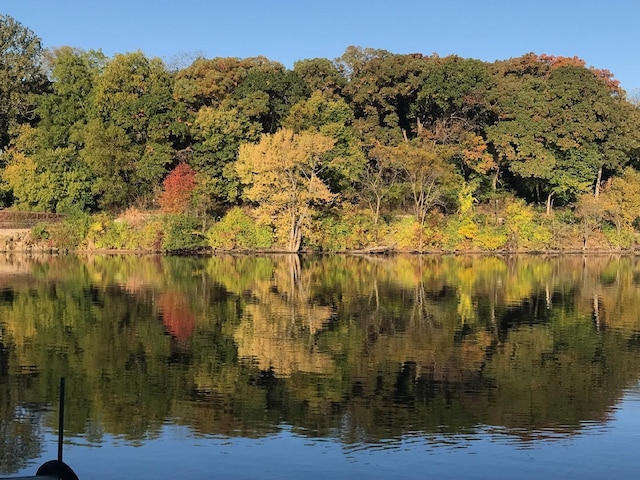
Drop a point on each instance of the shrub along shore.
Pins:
(517, 228)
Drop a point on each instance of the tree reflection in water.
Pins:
(357, 349)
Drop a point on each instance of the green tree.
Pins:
(453, 90)
(209, 82)
(266, 96)
(52, 180)
(332, 118)
(20, 75)
(45, 170)
(321, 74)
(130, 143)
(558, 126)
(381, 90)
(67, 106)
(218, 133)
(452, 108)
(110, 155)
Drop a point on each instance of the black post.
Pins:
(61, 420)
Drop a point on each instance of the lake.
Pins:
(321, 366)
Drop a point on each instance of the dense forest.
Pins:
(373, 149)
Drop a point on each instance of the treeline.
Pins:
(372, 149)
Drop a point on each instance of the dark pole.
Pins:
(61, 420)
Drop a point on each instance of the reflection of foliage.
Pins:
(357, 347)
(19, 428)
(176, 315)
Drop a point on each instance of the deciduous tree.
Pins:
(557, 129)
(68, 105)
(426, 172)
(453, 90)
(377, 182)
(621, 200)
(20, 74)
(320, 74)
(209, 82)
(283, 176)
(332, 118)
(130, 143)
(381, 90)
(590, 210)
(267, 95)
(218, 133)
(178, 189)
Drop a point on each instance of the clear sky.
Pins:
(605, 33)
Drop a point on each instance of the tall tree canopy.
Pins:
(20, 74)
(44, 168)
(382, 89)
(557, 127)
(129, 143)
(267, 95)
(67, 106)
(393, 134)
(208, 82)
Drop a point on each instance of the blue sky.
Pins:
(604, 33)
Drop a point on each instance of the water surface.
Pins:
(283, 366)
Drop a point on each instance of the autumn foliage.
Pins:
(247, 154)
(603, 74)
(178, 189)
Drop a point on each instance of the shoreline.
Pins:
(20, 241)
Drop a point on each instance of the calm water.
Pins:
(322, 367)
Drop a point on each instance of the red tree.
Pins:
(178, 188)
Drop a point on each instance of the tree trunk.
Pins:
(549, 203)
(295, 236)
(596, 311)
(596, 192)
(377, 213)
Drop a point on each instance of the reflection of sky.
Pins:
(598, 452)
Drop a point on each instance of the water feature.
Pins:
(327, 367)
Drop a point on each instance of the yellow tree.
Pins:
(590, 211)
(426, 170)
(282, 173)
(621, 200)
